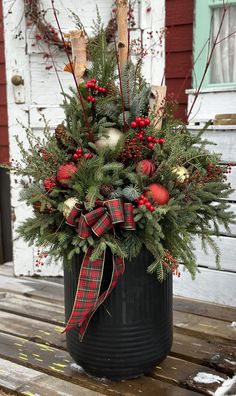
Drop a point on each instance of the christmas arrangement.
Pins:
(119, 174)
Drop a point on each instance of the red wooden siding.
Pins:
(4, 148)
(179, 47)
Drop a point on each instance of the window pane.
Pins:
(223, 63)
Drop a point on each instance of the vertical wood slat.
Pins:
(179, 39)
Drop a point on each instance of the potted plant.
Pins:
(120, 198)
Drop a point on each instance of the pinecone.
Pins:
(132, 151)
(111, 89)
(37, 208)
(63, 137)
(106, 190)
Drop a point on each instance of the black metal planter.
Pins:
(132, 331)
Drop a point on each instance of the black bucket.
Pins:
(132, 331)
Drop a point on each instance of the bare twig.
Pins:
(208, 61)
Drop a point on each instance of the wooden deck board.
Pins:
(31, 343)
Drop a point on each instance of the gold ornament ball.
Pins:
(68, 206)
(181, 174)
(110, 140)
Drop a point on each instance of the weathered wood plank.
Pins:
(34, 288)
(54, 313)
(210, 285)
(223, 137)
(31, 382)
(32, 329)
(195, 307)
(7, 269)
(197, 350)
(26, 306)
(58, 363)
(178, 371)
(227, 246)
(205, 327)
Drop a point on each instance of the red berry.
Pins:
(138, 119)
(89, 98)
(93, 100)
(152, 209)
(142, 123)
(133, 124)
(104, 90)
(75, 156)
(150, 145)
(140, 137)
(96, 87)
(87, 155)
(147, 121)
(150, 139)
(93, 81)
(142, 197)
(161, 140)
(100, 89)
(148, 205)
(141, 202)
(79, 150)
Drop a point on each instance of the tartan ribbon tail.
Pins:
(88, 297)
(118, 270)
(88, 289)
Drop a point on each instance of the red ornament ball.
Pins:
(146, 168)
(65, 172)
(49, 183)
(158, 193)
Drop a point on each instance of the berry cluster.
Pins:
(94, 89)
(79, 154)
(152, 141)
(39, 259)
(171, 262)
(132, 151)
(140, 124)
(49, 183)
(142, 200)
(214, 172)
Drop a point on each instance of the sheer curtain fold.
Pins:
(223, 64)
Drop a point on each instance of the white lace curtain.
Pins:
(223, 64)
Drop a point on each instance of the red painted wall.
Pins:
(179, 51)
(4, 147)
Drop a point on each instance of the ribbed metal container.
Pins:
(132, 331)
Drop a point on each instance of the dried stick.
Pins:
(73, 74)
(158, 93)
(79, 53)
(123, 35)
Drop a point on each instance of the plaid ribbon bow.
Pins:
(98, 221)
